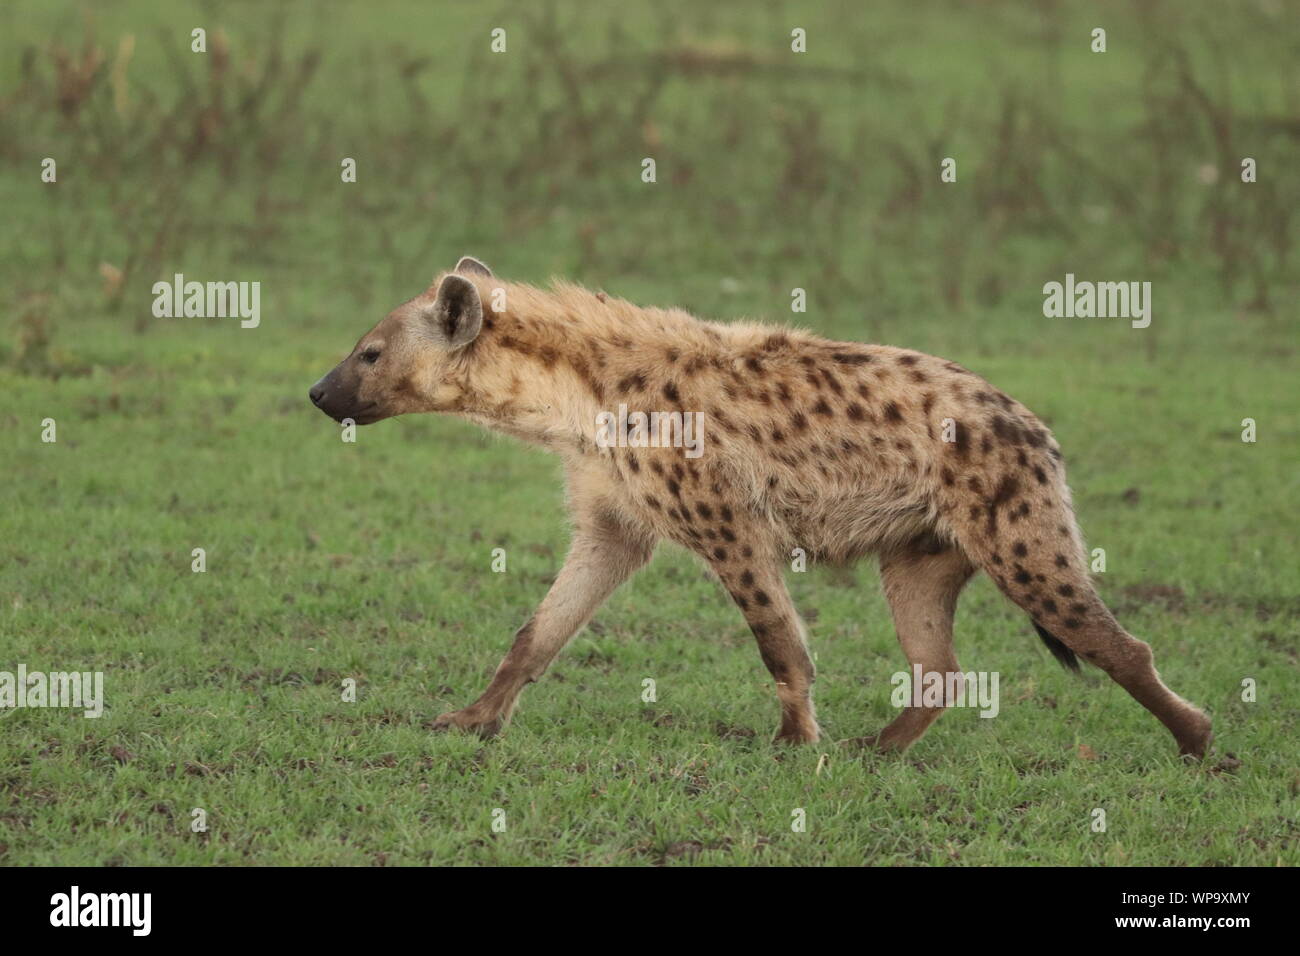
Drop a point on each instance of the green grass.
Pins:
(371, 561)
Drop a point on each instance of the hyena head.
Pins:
(402, 364)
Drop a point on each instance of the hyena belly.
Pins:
(843, 524)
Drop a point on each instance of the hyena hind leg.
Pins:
(1054, 588)
(922, 582)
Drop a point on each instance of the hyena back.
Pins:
(839, 449)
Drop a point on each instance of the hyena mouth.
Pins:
(362, 415)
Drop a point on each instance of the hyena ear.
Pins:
(468, 265)
(457, 313)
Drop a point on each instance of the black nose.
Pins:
(316, 394)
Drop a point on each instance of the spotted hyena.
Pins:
(837, 448)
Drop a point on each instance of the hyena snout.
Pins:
(337, 397)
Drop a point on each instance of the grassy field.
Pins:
(371, 561)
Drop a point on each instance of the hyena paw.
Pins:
(485, 725)
(1194, 740)
(796, 735)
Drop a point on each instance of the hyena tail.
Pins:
(1060, 650)
(1022, 532)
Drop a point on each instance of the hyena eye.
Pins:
(370, 356)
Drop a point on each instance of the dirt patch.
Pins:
(1161, 595)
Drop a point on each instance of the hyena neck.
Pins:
(533, 373)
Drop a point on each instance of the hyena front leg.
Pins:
(761, 594)
(603, 555)
(922, 582)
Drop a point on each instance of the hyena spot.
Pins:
(1049, 605)
(855, 412)
(705, 511)
(798, 422)
(1023, 577)
(997, 558)
(894, 416)
(727, 534)
(850, 358)
(1072, 622)
(1007, 431)
(720, 554)
(762, 598)
(1019, 549)
(671, 393)
(946, 475)
(747, 579)
(907, 360)
(1066, 590)
(821, 408)
(1006, 490)
(1078, 609)
(1040, 474)
(1062, 561)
